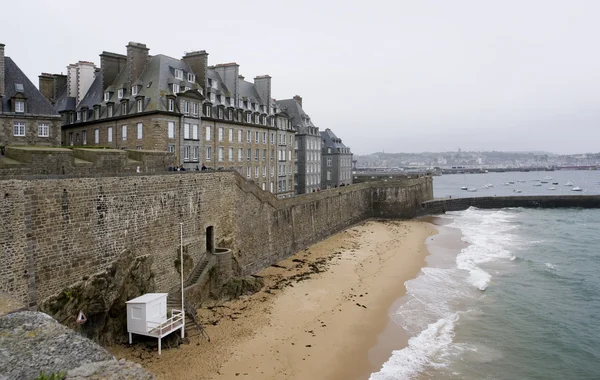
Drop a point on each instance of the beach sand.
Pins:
(318, 316)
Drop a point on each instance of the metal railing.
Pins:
(177, 317)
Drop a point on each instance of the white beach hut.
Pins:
(147, 315)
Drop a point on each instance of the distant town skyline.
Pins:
(395, 76)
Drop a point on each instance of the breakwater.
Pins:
(440, 206)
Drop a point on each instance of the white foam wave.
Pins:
(551, 266)
(430, 348)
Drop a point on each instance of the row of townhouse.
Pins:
(206, 115)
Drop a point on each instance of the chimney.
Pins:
(60, 82)
(262, 84)
(298, 100)
(229, 73)
(1, 70)
(137, 58)
(198, 62)
(80, 77)
(46, 86)
(111, 65)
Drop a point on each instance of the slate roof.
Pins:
(330, 140)
(37, 104)
(300, 119)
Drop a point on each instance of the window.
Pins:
(178, 74)
(186, 131)
(240, 154)
(256, 137)
(264, 170)
(196, 153)
(208, 153)
(256, 172)
(78, 116)
(230, 134)
(175, 88)
(271, 187)
(171, 149)
(120, 93)
(221, 152)
(140, 105)
(240, 133)
(19, 128)
(249, 118)
(96, 136)
(140, 132)
(84, 113)
(110, 111)
(186, 107)
(328, 161)
(195, 132)
(191, 77)
(171, 130)
(208, 111)
(230, 115)
(264, 137)
(171, 105)
(256, 155)
(329, 175)
(96, 113)
(249, 136)
(328, 150)
(272, 138)
(109, 132)
(264, 154)
(186, 153)
(231, 158)
(106, 96)
(124, 132)
(220, 134)
(71, 138)
(289, 155)
(195, 108)
(84, 137)
(248, 154)
(272, 170)
(207, 133)
(43, 130)
(134, 90)
(220, 113)
(124, 108)
(264, 186)
(248, 172)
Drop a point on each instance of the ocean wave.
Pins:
(431, 348)
(550, 266)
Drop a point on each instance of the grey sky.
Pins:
(399, 76)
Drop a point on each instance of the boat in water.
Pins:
(547, 178)
(472, 189)
(544, 181)
(463, 188)
(511, 182)
(552, 188)
(516, 191)
(569, 183)
(577, 188)
(555, 183)
(537, 184)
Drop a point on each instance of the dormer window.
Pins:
(272, 122)
(178, 74)
(212, 97)
(106, 96)
(20, 106)
(171, 104)
(230, 101)
(124, 108)
(78, 115)
(220, 113)
(96, 112)
(134, 90)
(175, 88)
(191, 77)
(230, 117)
(253, 106)
(109, 110)
(249, 118)
(210, 82)
(84, 114)
(245, 104)
(140, 105)
(207, 111)
(120, 93)
(195, 108)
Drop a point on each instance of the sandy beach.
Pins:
(318, 316)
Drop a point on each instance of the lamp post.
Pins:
(181, 258)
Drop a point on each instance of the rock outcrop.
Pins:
(33, 342)
(102, 299)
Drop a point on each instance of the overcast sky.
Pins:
(398, 76)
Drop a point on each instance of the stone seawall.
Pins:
(57, 232)
(439, 206)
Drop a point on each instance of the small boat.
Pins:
(547, 178)
(472, 189)
(552, 188)
(463, 188)
(487, 186)
(505, 184)
(577, 188)
(516, 191)
(555, 183)
(569, 183)
(511, 182)
(537, 184)
(521, 180)
(544, 181)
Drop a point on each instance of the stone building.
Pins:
(307, 147)
(336, 161)
(206, 116)
(26, 117)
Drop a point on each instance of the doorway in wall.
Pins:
(210, 239)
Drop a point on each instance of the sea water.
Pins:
(520, 300)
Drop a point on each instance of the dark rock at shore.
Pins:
(33, 342)
(240, 286)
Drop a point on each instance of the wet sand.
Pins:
(319, 316)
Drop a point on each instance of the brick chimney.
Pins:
(137, 58)
(111, 65)
(298, 100)
(2, 70)
(46, 85)
(262, 83)
(198, 62)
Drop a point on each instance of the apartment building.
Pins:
(26, 116)
(336, 161)
(307, 147)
